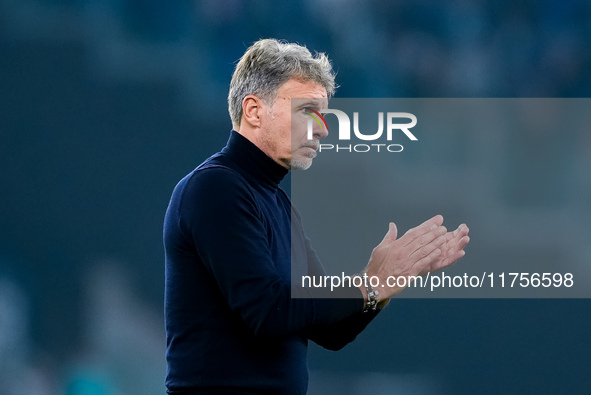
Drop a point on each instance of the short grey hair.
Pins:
(268, 64)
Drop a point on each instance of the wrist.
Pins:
(370, 296)
(364, 292)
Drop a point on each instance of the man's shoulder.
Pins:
(213, 174)
(212, 189)
(212, 179)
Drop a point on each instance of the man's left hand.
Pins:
(451, 250)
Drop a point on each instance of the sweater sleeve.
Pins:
(335, 336)
(219, 214)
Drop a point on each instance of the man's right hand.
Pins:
(410, 255)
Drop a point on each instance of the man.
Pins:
(231, 236)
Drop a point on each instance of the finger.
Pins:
(461, 231)
(436, 236)
(449, 236)
(454, 237)
(463, 242)
(427, 260)
(450, 259)
(457, 251)
(459, 242)
(451, 247)
(425, 227)
(392, 231)
(422, 235)
(422, 250)
(391, 234)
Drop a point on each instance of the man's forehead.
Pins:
(294, 89)
(316, 103)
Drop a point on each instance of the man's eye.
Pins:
(306, 109)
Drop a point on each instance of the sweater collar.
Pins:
(254, 161)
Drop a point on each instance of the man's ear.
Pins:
(251, 109)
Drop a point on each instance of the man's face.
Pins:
(285, 124)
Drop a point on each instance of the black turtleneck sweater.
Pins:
(232, 326)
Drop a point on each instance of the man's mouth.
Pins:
(314, 146)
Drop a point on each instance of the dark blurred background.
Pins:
(105, 105)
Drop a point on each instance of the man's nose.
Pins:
(320, 131)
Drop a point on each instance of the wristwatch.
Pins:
(372, 297)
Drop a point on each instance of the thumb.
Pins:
(392, 231)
